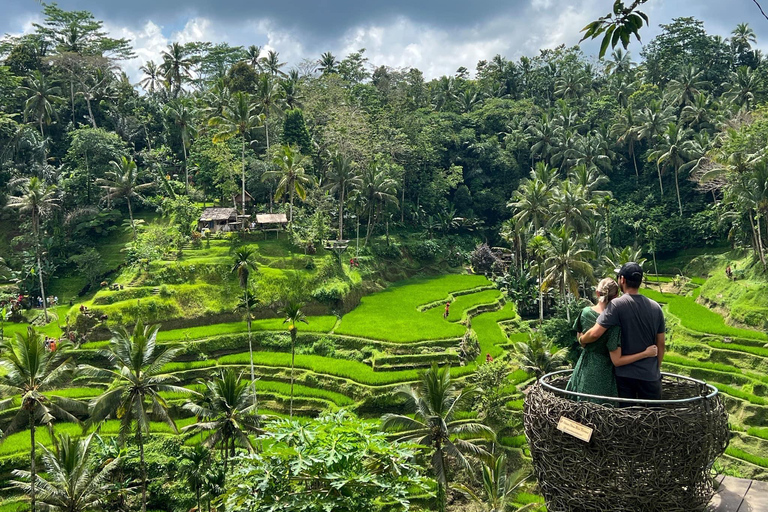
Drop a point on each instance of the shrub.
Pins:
(390, 251)
(331, 292)
(425, 250)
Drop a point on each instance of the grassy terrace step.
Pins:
(699, 318)
(393, 314)
(314, 324)
(282, 389)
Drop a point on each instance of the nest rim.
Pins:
(713, 391)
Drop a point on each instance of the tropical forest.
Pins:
(240, 283)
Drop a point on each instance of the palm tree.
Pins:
(136, 380)
(743, 37)
(653, 121)
(537, 247)
(183, 115)
(72, 483)
(685, 87)
(253, 54)
(544, 134)
(571, 207)
(193, 464)
(566, 261)
(244, 265)
(239, 117)
(342, 178)
(28, 371)
(123, 182)
(327, 64)
(531, 203)
(228, 413)
(42, 96)
(175, 67)
(377, 189)
(37, 199)
(293, 315)
(744, 84)
(626, 132)
(268, 93)
(292, 176)
(539, 355)
(499, 488)
(435, 400)
(672, 151)
(152, 76)
(272, 63)
(621, 62)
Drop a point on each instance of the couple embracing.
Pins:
(623, 340)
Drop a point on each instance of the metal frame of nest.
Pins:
(646, 455)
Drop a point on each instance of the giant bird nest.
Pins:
(642, 456)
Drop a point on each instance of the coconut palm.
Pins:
(135, 380)
(673, 152)
(292, 177)
(239, 117)
(123, 181)
(743, 37)
(226, 410)
(245, 263)
(539, 355)
(342, 179)
(537, 247)
(152, 76)
(192, 467)
(272, 63)
(176, 67)
(253, 56)
(435, 399)
(291, 94)
(499, 487)
(293, 315)
(745, 83)
(531, 204)
(621, 62)
(268, 94)
(544, 136)
(566, 262)
(653, 122)
(42, 95)
(28, 371)
(327, 64)
(183, 116)
(72, 482)
(377, 189)
(626, 132)
(571, 207)
(37, 199)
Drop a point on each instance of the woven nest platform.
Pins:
(644, 456)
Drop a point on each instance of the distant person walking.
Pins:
(642, 325)
(447, 310)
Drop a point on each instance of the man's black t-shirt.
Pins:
(641, 319)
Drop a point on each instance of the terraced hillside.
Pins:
(735, 360)
(337, 365)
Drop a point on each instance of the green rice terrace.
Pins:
(239, 280)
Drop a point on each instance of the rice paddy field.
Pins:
(386, 341)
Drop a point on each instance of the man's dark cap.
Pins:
(631, 271)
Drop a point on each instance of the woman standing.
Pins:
(593, 374)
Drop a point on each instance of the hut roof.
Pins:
(218, 214)
(271, 218)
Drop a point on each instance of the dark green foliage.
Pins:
(295, 131)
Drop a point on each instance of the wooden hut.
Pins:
(219, 220)
(271, 221)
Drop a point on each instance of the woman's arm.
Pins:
(620, 360)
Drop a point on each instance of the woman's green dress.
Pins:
(593, 373)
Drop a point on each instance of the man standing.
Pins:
(642, 325)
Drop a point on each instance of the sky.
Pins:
(435, 36)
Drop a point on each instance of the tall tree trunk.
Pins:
(243, 161)
(541, 299)
(186, 170)
(130, 215)
(36, 229)
(677, 189)
(760, 240)
(341, 213)
(90, 112)
(266, 127)
(72, 98)
(32, 468)
(368, 229)
(250, 345)
(143, 463)
(634, 160)
(402, 202)
(290, 210)
(661, 185)
(293, 360)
